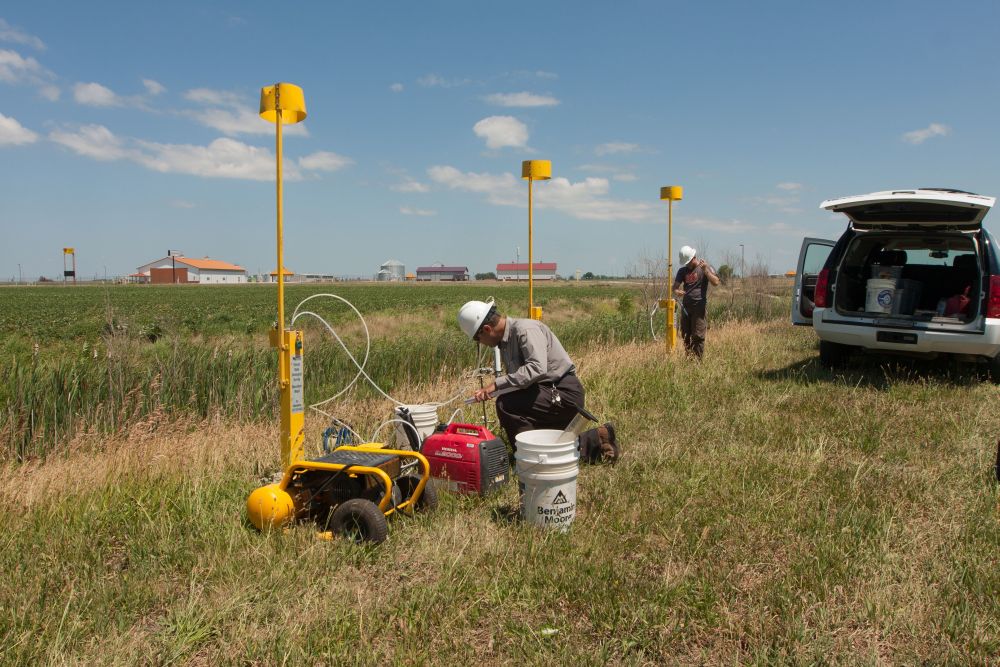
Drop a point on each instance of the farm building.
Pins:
(186, 270)
(540, 271)
(288, 275)
(441, 272)
(391, 270)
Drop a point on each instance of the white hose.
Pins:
(297, 313)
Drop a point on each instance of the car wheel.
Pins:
(994, 365)
(833, 355)
(359, 520)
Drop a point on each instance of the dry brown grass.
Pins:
(765, 512)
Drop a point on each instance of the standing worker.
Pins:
(540, 388)
(691, 284)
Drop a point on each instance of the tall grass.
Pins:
(124, 380)
(766, 511)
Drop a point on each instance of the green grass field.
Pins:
(765, 511)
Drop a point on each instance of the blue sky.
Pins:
(127, 128)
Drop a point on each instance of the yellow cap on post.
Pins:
(673, 192)
(285, 96)
(539, 170)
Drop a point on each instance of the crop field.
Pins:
(766, 510)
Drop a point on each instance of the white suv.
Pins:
(914, 273)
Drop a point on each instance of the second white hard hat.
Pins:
(687, 254)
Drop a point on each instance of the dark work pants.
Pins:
(694, 326)
(532, 408)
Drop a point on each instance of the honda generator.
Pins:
(467, 458)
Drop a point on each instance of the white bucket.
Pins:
(880, 296)
(547, 467)
(425, 418)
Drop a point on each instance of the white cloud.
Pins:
(153, 87)
(211, 97)
(180, 203)
(714, 225)
(222, 158)
(502, 189)
(585, 200)
(542, 74)
(522, 99)
(785, 228)
(396, 87)
(617, 147)
(96, 95)
(932, 130)
(15, 69)
(410, 185)
(623, 174)
(324, 161)
(501, 131)
(791, 187)
(438, 81)
(9, 33)
(94, 141)
(12, 133)
(422, 212)
(783, 204)
(230, 114)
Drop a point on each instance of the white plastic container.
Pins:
(547, 465)
(425, 418)
(880, 296)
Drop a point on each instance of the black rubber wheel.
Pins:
(428, 500)
(833, 355)
(994, 365)
(996, 466)
(359, 520)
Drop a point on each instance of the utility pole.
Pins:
(19, 278)
(172, 254)
(743, 266)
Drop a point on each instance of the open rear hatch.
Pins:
(916, 209)
(915, 254)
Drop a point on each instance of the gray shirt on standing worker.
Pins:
(529, 348)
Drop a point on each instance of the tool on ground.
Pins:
(580, 423)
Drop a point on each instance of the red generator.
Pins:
(467, 458)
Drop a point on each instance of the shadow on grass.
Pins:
(506, 515)
(881, 371)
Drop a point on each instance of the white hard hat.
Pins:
(687, 254)
(472, 315)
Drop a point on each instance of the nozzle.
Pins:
(579, 424)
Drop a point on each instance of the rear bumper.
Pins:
(984, 343)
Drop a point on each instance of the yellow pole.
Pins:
(531, 274)
(671, 333)
(281, 103)
(532, 170)
(281, 248)
(670, 193)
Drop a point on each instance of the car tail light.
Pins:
(993, 300)
(820, 298)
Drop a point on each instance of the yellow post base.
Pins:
(292, 437)
(671, 332)
(536, 313)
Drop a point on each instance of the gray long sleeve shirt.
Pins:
(531, 353)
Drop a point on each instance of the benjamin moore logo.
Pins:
(560, 499)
